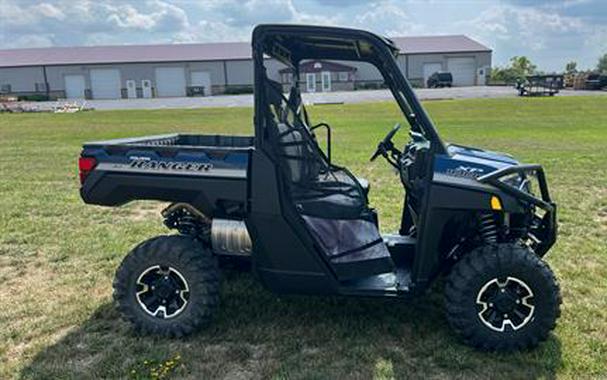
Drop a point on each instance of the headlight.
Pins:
(520, 181)
(514, 180)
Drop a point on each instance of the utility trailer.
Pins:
(480, 219)
(540, 85)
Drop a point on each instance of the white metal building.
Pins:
(145, 71)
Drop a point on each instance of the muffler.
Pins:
(230, 237)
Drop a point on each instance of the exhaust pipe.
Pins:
(230, 237)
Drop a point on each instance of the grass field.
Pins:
(58, 257)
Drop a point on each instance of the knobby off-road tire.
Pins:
(174, 277)
(502, 298)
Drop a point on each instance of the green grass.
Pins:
(58, 256)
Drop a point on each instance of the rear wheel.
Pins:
(502, 297)
(168, 285)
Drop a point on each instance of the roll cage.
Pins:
(290, 44)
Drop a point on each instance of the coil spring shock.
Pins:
(188, 221)
(488, 228)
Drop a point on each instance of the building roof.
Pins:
(125, 53)
(438, 44)
(199, 52)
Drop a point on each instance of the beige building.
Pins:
(145, 71)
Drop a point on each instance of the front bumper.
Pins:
(543, 228)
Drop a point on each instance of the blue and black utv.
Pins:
(479, 219)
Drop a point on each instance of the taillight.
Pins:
(85, 166)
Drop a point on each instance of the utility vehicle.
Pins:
(469, 215)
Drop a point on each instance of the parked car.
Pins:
(440, 79)
(596, 81)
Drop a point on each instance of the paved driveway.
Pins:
(326, 97)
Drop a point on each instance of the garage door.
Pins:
(170, 81)
(429, 69)
(74, 86)
(202, 79)
(463, 70)
(105, 84)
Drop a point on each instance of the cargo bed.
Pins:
(208, 171)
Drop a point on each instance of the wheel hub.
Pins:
(162, 291)
(505, 302)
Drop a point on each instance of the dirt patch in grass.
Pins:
(145, 211)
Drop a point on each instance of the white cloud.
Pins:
(388, 18)
(212, 31)
(162, 17)
(233, 20)
(50, 11)
(552, 31)
(127, 16)
(33, 41)
(530, 27)
(67, 22)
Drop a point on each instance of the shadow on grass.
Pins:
(260, 335)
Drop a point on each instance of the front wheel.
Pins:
(502, 297)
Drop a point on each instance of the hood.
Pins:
(482, 154)
(463, 161)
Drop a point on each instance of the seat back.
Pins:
(291, 147)
(300, 158)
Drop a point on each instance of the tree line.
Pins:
(520, 66)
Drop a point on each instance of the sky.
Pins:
(550, 33)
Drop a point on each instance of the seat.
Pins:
(294, 102)
(330, 200)
(316, 193)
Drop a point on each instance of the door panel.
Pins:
(146, 88)
(326, 81)
(311, 82)
(170, 81)
(201, 78)
(463, 70)
(74, 86)
(105, 84)
(131, 89)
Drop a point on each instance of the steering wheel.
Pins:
(386, 144)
